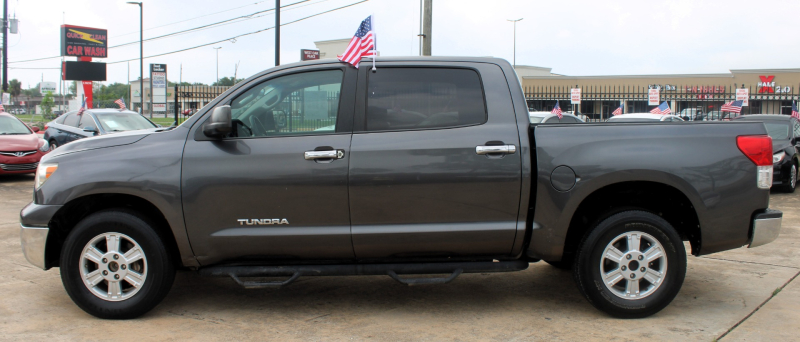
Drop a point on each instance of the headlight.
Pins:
(45, 146)
(777, 157)
(43, 172)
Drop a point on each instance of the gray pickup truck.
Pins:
(422, 170)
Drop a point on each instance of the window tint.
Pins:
(305, 103)
(61, 118)
(86, 121)
(568, 119)
(72, 120)
(796, 128)
(421, 98)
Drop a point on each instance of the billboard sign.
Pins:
(44, 87)
(79, 41)
(653, 97)
(575, 97)
(744, 95)
(309, 55)
(83, 71)
(158, 87)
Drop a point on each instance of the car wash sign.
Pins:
(79, 41)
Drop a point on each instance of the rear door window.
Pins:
(72, 120)
(86, 121)
(424, 98)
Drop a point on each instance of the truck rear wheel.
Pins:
(631, 265)
(115, 266)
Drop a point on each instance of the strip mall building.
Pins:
(769, 91)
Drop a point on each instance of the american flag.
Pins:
(121, 103)
(362, 44)
(2, 109)
(795, 113)
(557, 111)
(83, 108)
(733, 106)
(662, 109)
(617, 111)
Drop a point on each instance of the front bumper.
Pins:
(34, 240)
(766, 227)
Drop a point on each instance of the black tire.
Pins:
(587, 268)
(53, 144)
(792, 185)
(561, 264)
(157, 273)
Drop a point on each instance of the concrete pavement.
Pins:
(727, 295)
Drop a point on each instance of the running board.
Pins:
(454, 269)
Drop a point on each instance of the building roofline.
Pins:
(565, 77)
(762, 71)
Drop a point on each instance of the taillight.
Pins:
(45, 127)
(758, 148)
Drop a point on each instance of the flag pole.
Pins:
(374, 42)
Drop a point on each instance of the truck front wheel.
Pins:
(114, 265)
(631, 265)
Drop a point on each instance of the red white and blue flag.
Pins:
(662, 109)
(795, 113)
(362, 44)
(733, 106)
(557, 110)
(121, 103)
(83, 107)
(617, 111)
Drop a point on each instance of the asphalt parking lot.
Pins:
(739, 295)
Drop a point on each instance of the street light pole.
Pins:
(141, 56)
(217, 48)
(277, 32)
(515, 39)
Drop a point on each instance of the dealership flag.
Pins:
(362, 44)
(121, 103)
(662, 109)
(617, 111)
(733, 106)
(557, 111)
(795, 113)
(83, 107)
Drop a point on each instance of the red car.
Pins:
(20, 146)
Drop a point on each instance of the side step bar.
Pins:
(454, 269)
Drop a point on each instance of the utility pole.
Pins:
(141, 55)
(5, 45)
(427, 21)
(217, 48)
(515, 39)
(277, 32)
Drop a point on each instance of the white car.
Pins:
(550, 118)
(644, 117)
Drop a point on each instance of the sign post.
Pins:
(158, 88)
(653, 97)
(744, 95)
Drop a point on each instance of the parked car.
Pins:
(433, 168)
(644, 117)
(691, 114)
(20, 146)
(550, 118)
(785, 133)
(72, 126)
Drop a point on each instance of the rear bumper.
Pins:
(766, 227)
(34, 240)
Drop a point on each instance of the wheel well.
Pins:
(76, 210)
(657, 198)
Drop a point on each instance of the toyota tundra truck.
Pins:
(421, 169)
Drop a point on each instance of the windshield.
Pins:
(536, 119)
(9, 126)
(118, 122)
(777, 130)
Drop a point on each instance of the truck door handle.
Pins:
(498, 149)
(332, 154)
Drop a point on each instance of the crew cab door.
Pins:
(423, 182)
(276, 188)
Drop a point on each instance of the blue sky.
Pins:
(578, 37)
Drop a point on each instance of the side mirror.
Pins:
(35, 129)
(219, 124)
(90, 129)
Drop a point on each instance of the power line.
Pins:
(241, 35)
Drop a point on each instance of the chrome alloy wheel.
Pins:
(633, 265)
(113, 266)
(793, 177)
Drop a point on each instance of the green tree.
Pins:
(110, 92)
(47, 106)
(14, 88)
(227, 81)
